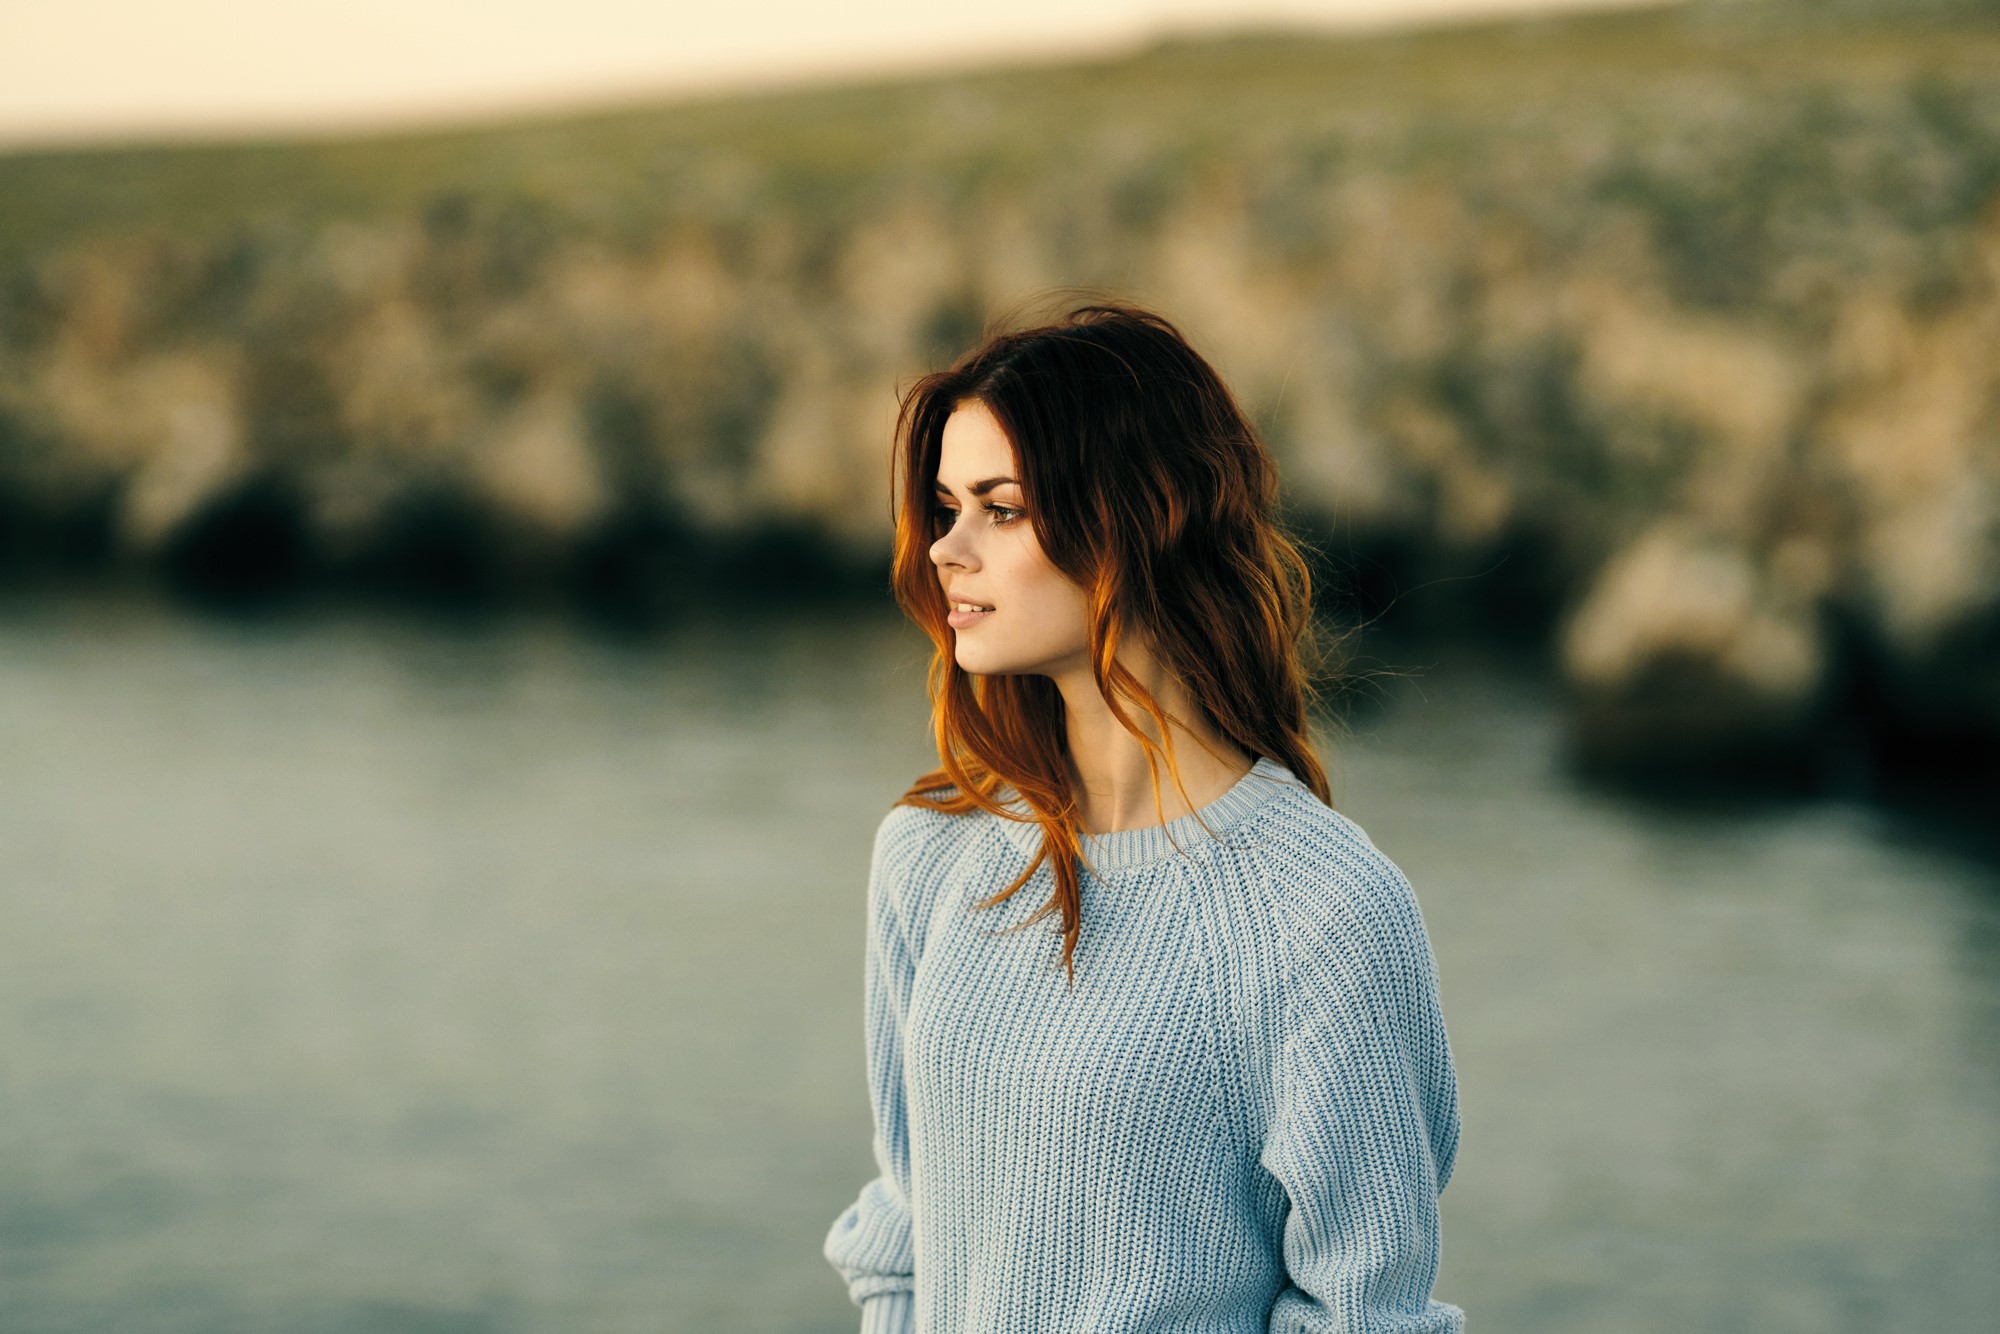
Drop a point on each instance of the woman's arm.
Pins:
(1365, 1125)
(870, 1243)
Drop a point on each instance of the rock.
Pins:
(1688, 651)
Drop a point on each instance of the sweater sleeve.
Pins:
(1364, 1126)
(870, 1244)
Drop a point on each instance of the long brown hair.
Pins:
(1148, 486)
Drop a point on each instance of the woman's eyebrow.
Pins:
(979, 488)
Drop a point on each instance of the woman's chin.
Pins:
(984, 664)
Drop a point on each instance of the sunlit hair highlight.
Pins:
(1147, 485)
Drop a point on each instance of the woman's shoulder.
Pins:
(1326, 879)
(906, 827)
(918, 842)
(919, 852)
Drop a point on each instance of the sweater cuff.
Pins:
(890, 1313)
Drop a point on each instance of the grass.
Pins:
(828, 151)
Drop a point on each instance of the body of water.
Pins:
(364, 974)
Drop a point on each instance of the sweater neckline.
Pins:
(1125, 848)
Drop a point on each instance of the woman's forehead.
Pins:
(973, 447)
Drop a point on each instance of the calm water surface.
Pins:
(361, 975)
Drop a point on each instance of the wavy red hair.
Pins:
(1148, 486)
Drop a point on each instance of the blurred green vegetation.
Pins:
(1435, 96)
(1665, 340)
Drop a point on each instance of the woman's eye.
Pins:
(943, 516)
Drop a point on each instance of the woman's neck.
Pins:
(1114, 783)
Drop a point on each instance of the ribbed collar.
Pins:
(1126, 848)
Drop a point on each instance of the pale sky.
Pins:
(80, 70)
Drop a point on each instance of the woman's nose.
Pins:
(951, 549)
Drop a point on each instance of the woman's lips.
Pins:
(958, 620)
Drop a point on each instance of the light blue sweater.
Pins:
(1239, 1120)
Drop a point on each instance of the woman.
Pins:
(1232, 1106)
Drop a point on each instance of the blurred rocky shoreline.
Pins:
(1665, 345)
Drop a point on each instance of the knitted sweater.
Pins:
(1239, 1119)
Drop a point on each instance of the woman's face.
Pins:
(987, 556)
